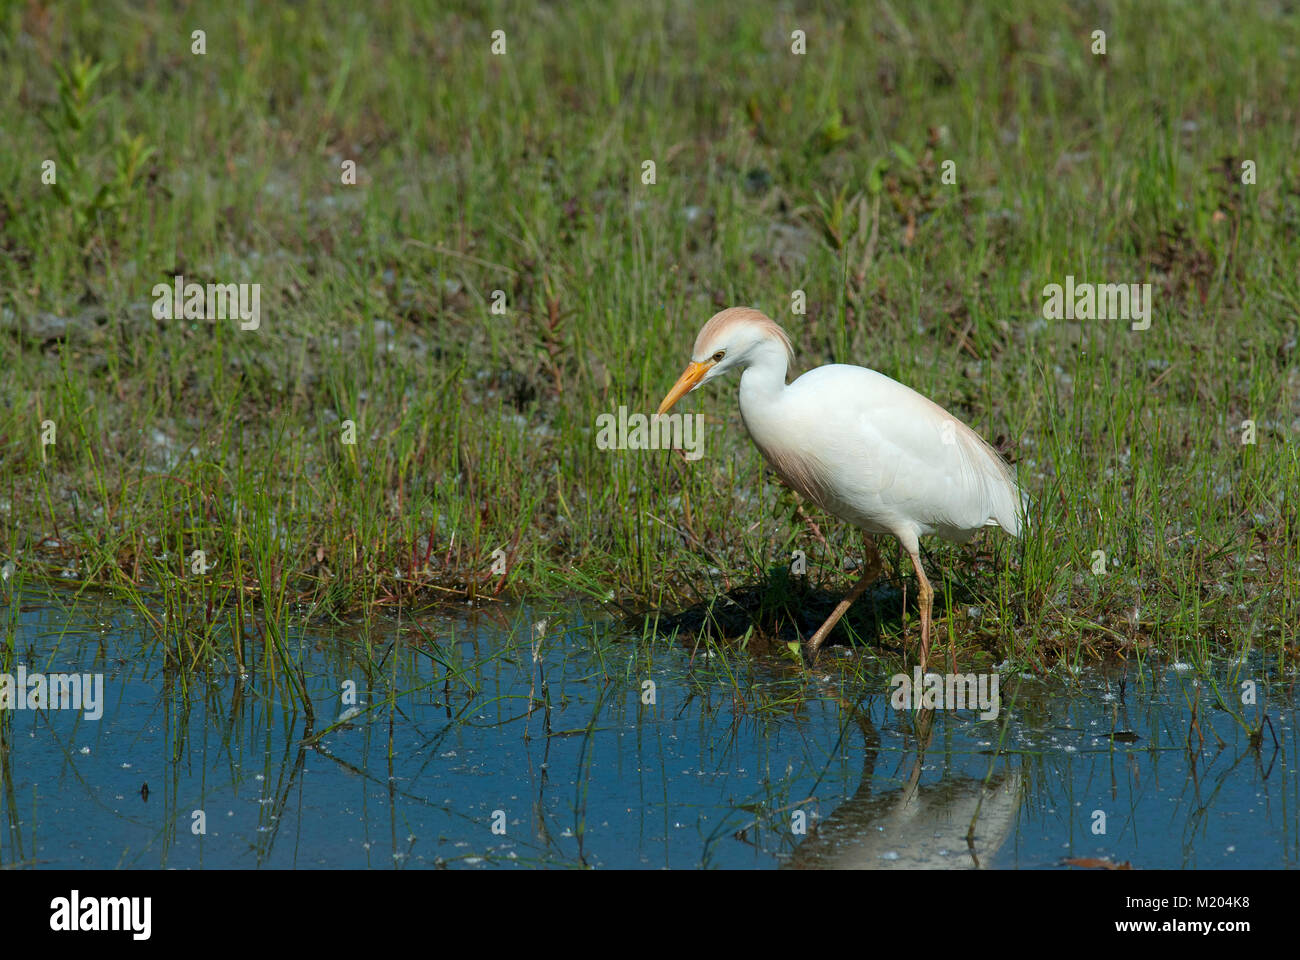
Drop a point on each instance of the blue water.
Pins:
(737, 761)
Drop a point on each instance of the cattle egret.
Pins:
(861, 446)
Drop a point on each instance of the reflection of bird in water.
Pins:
(958, 823)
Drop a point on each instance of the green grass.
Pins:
(522, 173)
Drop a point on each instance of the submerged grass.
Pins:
(475, 472)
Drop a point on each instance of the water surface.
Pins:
(484, 741)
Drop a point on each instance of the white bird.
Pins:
(859, 445)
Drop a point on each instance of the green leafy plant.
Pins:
(69, 125)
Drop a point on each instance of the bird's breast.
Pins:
(788, 451)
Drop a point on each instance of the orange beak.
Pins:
(687, 382)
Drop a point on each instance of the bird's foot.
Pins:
(813, 644)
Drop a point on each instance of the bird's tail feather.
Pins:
(1009, 501)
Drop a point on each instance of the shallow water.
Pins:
(720, 764)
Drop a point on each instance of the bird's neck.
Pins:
(763, 381)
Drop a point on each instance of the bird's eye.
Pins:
(717, 357)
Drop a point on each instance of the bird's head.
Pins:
(735, 338)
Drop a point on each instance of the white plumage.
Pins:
(861, 446)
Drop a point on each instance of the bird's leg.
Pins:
(824, 630)
(872, 556)
(869, 575)
(812, 524)
(925, 600)
(952, 643)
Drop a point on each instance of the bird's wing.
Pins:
(906, 460)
